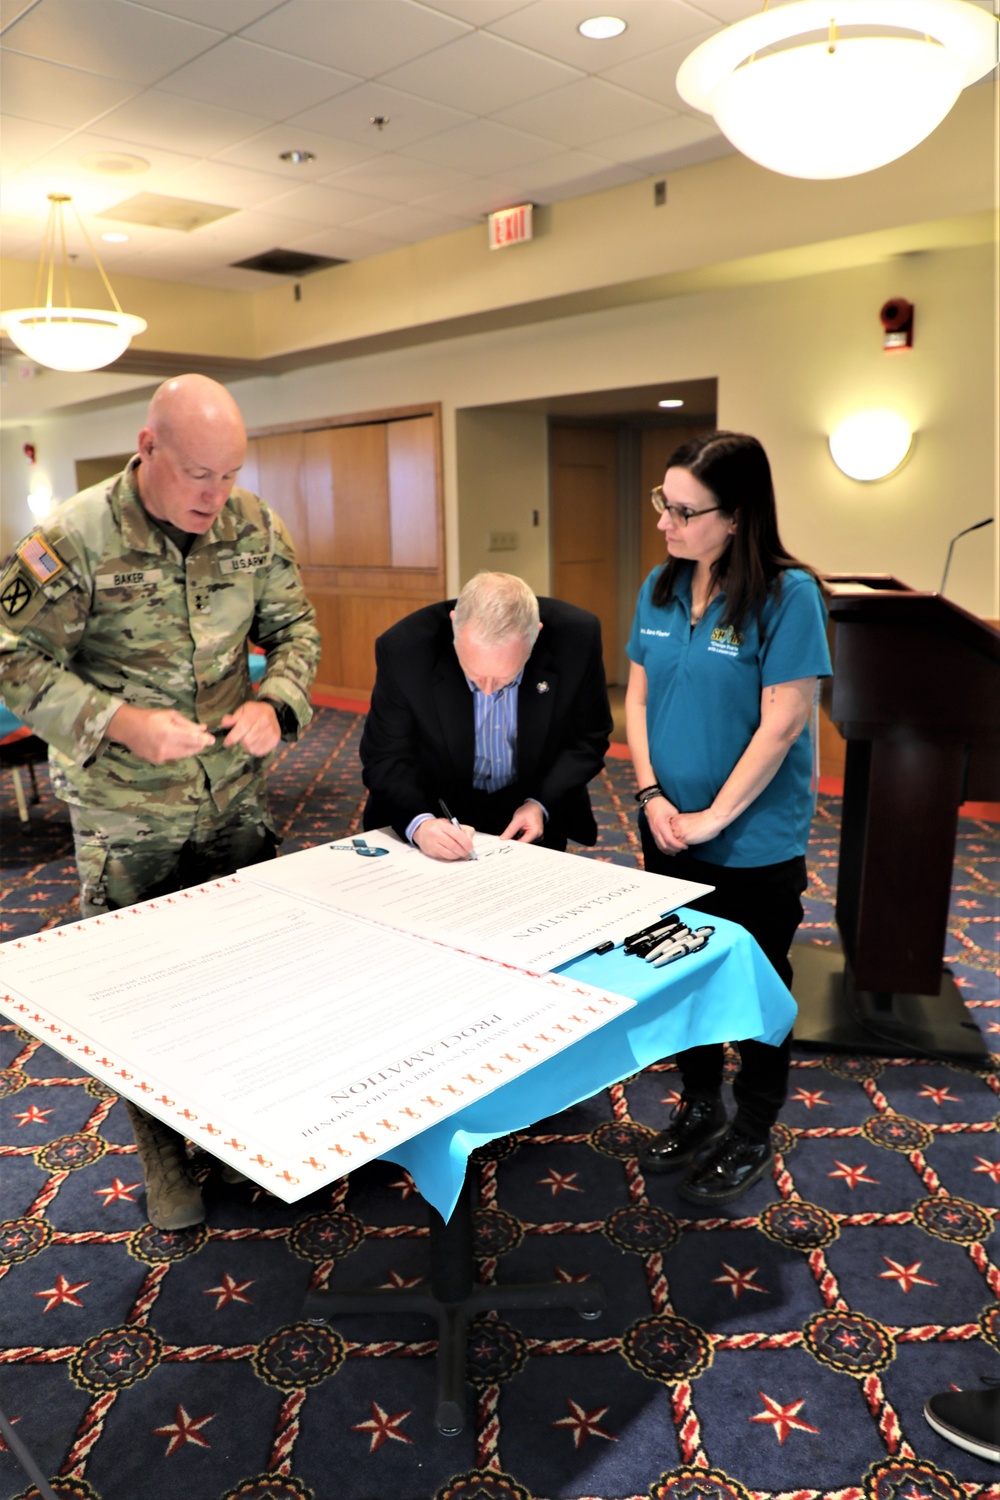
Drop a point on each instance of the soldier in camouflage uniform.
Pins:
(124, 623)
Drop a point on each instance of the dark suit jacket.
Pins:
(419, 739)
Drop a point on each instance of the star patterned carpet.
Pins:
(781, 1350)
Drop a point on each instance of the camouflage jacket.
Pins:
(99, 608)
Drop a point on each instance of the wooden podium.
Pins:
(916, 695)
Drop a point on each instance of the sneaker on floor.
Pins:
(970, 1419)
(734, 1165)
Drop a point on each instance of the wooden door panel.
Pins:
(414, 514)
(317, 478)
(279, 482)
(362, 618)
(330, 672)
(360, 496)
(583, 465)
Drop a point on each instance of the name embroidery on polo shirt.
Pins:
(643, 630)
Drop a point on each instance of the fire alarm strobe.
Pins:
(897, 323)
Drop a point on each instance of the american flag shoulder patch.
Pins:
(39, 558)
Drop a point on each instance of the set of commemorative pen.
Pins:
(666, 940)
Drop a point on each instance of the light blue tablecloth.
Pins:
(727, 991)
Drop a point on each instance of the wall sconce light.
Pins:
(40, 501)
(871, 444)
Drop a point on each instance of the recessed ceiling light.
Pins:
(115, 163)
(115, 239)
(600, 28)
(671, 402)
(297, 158)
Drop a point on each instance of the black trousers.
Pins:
(766, 900)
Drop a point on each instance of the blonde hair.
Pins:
(496, 607)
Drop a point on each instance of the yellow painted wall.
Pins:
(502, 477)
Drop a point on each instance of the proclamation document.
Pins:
(294, 1042)
(514, 902)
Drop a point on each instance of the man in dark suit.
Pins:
(493, 706)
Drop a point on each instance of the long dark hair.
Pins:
(734, 467)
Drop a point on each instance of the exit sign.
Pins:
(510, 226)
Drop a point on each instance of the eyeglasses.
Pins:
(679, 514)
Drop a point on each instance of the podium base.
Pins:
(835, 1016)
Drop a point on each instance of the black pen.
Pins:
(655, 932)
(442, 804)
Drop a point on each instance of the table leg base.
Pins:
(453, 1318)
(835, 1016)
(453, 1299)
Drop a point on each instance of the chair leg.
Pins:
(36, 795)
(22, 806)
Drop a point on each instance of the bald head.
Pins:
(191, 450)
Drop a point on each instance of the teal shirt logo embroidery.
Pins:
(726, 640)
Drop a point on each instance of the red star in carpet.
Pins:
(739, 1281)
(62, 1292)
(184, 1429)
(567, 1276)
(118, 1190)
(905, 1275)
(383, 1427)
(852, 1175)
(673, 1099)
(967, 903)
(229, 1291)
(783, 1418)
(33, 1116)
(810, 1100)
(991, 1168)
(395, 1280)
(940, 1096)
(407, 1187)
(584, 1424)
(993, 1028)
(3, 1445)
(560, 1183)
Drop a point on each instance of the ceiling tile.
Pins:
(398, 178)
(728, 11)
(263, 152)
(11, 9)
(655, 76)
(109, 37)
(156, 118)
(409, 224)
(238, 71)
(347, 244)
(477, 12)
(480, 73)
(475, 199)
(550, 26)
(344, 33)
(349, 116)
(24, 140)
(324, 205)
(223, 15)
(34, 90)
(572, 174)
(218, 182)
(480, 147)
(583, 112)
(68, 157)
(649, 147)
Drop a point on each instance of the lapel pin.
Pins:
(541, 687)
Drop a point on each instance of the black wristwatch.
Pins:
(287, 721)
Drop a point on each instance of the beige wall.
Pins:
(790, 358)
(502, 477)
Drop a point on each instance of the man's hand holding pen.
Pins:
(445, 837)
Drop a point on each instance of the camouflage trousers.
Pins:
(123, 857)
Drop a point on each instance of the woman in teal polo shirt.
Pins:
(728, 643)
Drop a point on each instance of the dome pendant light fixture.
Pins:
(67, 337)
(832, 105)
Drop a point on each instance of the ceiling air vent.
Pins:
(181, 214)
(287, 263)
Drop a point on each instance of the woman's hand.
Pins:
(660, 815)
(695, 828)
